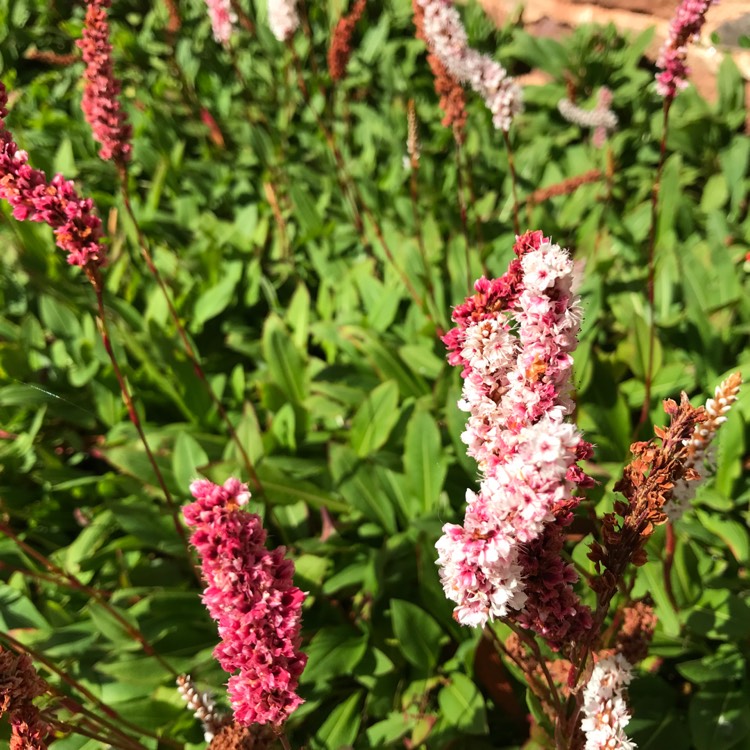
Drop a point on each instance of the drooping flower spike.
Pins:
(78, 230)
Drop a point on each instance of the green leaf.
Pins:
(719, 719)
(215, 300)
(733, 533)
(462, 704)
(726, 665)
(285, 364)
(374, 420)
(424, 462)
(341, 727)
(188, 456)
(418, 634)
(332, 652)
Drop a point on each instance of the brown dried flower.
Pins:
(636, 632)
(236, 737)
(646, 484)
(19, 685)
(341, 43)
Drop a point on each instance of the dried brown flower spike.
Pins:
(19, 685)
(647, 484)
(341, 43)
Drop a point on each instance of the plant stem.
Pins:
(19, 647)
(648, 379)
(350, 189)
(96, 281)
(189, 350)
(669, 550)
(513, 182)
(68, 579)
(534, 646)
(462, 211)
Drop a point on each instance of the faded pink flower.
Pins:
(446, 38)
(101, 105)
(601, 119)
(684, 28)
(222, 18)
(513, 339)
(283, 18)
(251, 596)
(78, 231)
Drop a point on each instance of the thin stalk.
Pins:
(69, 580)
(90, 719)
(669, 550)
(414, 195)
(462, 211)
(541, 692)
(350, 189)
(65, 728)
(534, 646)
(648, 380)
(189, 350)
(127, 398)
(513, 182)
(19, 647)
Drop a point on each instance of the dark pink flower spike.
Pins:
(78, 231)
(684, 28)
(251, 596)
(101, 105)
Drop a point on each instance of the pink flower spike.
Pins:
(514, 338)
(101, 105)
(222, 18)
(684, 28)
(78, 231)
(250, 593)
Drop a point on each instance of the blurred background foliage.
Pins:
(335, 376)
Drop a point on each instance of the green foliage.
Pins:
(325, 352)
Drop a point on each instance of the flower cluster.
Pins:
(78, 231)
(684, 28)
(452, 97)
(283, 18)
(700, 446)
(341, 43)
(605, 713)
(447, 38)
(514, 338)
(602, 119)
(19, 685)
(222, 18)
(101, 105)
(251, 596)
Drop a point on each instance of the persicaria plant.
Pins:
(381, 418)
